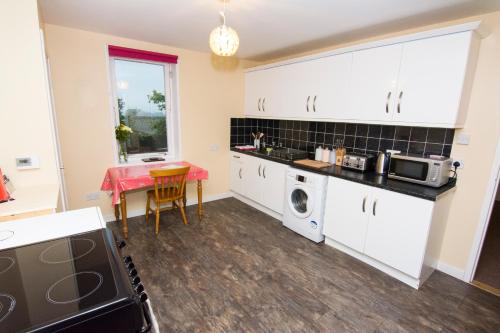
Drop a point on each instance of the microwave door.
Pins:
(407, 169)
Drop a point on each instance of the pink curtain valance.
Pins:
(125, 52)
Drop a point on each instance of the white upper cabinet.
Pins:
(330, 89)
(419, 80)
(263, 92)
(373, 84)
(253, 93)
(431, 80)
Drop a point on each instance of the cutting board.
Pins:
(313, 164)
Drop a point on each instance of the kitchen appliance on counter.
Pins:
(429, 171)
(305, 203)
(383, 160)
(78, 283)
(4, 194)
(359, 162)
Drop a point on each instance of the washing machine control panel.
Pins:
(301, 178)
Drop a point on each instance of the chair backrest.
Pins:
(169, 183)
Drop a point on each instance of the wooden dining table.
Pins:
(121, 180)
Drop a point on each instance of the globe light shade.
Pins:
(224, 41)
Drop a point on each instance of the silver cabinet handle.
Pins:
(364, 205)
(387, 102)
(234, 156)
(307, 103)
(258, 104)
(264, 172)
(259, 169)
(314, 103)
(239, 173)
(399, 101)
(374, 209)
(263, 108)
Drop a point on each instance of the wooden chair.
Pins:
(170, 186)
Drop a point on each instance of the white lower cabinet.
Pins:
(397, 230)
(346, 217)
(388, 230)
(238, 173)
(259, 180)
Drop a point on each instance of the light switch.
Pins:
(27, 162)
(463, 139)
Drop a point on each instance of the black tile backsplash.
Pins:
(363, 138)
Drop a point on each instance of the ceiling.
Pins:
(267, 28)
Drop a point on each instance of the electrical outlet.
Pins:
(92, 196)
(461, 166)
(214, 147)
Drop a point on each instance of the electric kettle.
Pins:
(382, 162)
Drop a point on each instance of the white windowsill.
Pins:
(137, 160)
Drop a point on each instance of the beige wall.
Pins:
(210, 92)
(25, 125)
(483, 125)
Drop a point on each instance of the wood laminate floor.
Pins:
(240, 270)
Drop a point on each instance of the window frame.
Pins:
(171, 113)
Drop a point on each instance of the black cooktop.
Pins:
(55, 280)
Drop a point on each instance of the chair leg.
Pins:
(183, 213)
(148, 204)
(157, 228)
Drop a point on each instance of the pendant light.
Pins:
(224, 40)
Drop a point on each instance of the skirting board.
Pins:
(190, 202)
(451, 270)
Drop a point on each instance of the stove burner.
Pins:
(7, 305)
(82, 283)
(5, 264)
(62, 251)
(6, 234)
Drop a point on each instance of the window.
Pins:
(142, 93)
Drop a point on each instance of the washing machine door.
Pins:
(300, 201)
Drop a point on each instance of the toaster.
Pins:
(359, 162)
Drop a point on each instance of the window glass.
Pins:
(140, 90)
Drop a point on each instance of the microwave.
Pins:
(420, 170)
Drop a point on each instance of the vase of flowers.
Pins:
(122, 133)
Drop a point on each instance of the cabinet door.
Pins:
(431, 79)
(237, 173)
(398, 229)
(253, 178)
(253, 92)
(347, 212)
(273, 186)
(373, 84)
(329, 81)
(292, 90)
(272, 85)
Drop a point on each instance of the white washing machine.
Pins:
(305, 203)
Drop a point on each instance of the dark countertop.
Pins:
(366, 178)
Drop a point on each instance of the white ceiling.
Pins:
(267, 28)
